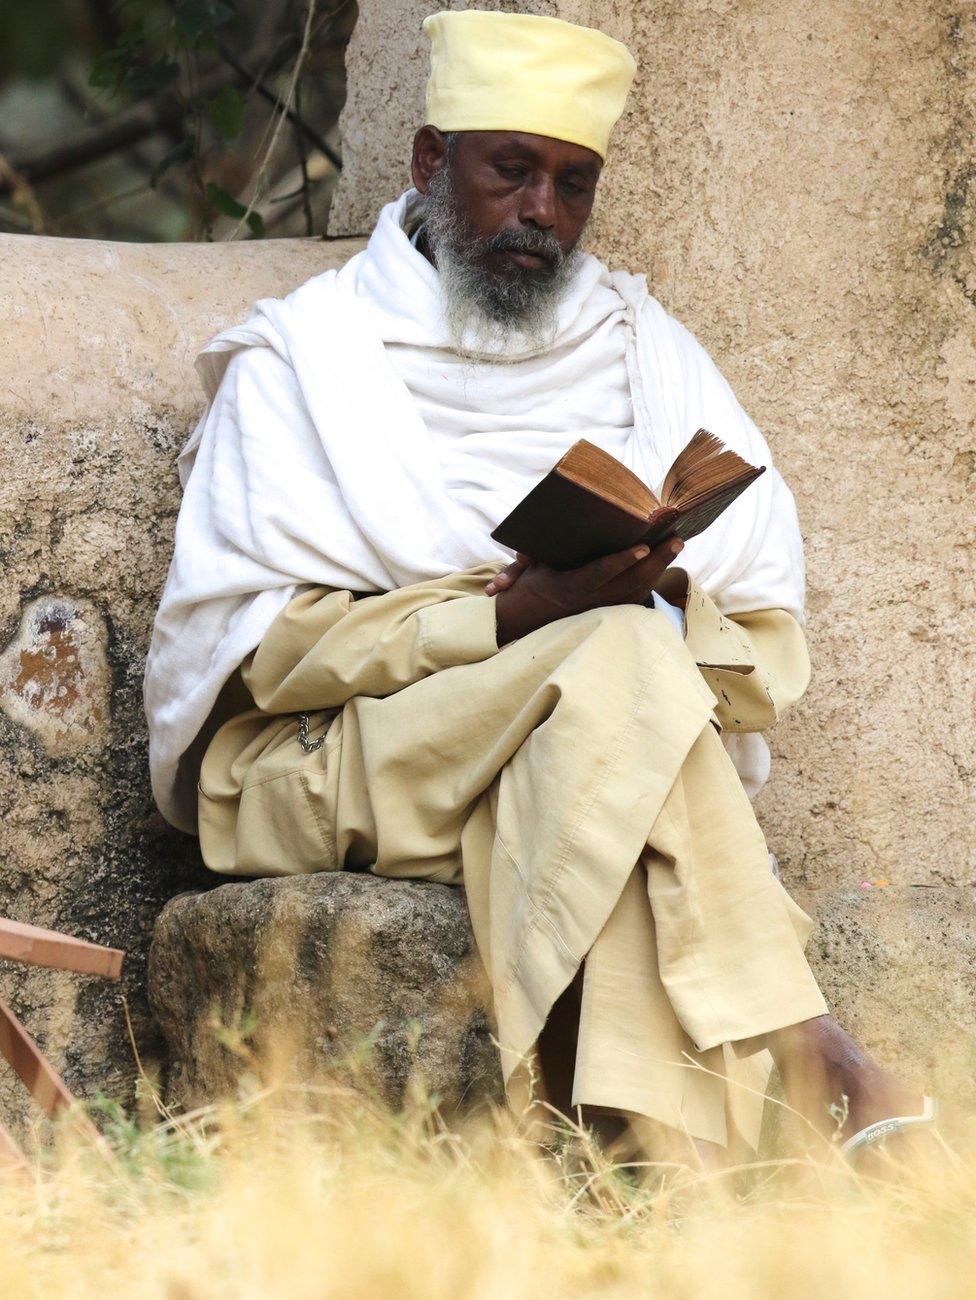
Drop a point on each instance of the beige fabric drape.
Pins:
(574, 781)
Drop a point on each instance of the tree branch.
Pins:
(303, 163)
(268, 94)
(145, 118)
(285, 105)
(120, 132)
(12, 179)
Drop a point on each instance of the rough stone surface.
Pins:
(314, 967)
(97, 393)
(898, 967)
(797, 183)
(54, 678)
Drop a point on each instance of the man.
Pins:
(346, 671)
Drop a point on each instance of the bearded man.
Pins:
(346, 671)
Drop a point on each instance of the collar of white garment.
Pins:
(403, 291)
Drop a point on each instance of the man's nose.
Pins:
(538, 207)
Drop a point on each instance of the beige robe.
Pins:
(575, 782)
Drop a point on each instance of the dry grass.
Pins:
(318, 1194)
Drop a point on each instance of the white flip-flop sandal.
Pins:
(884, 1128)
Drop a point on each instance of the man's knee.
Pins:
(610, 643)
(629, 640)
(624, 624)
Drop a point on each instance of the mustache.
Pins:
(541, 242)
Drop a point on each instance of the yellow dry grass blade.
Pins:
(318, 1192)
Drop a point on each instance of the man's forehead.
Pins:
(543, 150)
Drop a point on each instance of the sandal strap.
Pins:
(884, 1128)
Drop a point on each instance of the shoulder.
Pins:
(264, 345)
(665, 326)
(256, 364)
(242, 360)
(311, 292)
(273, 321)
(667, 347)
(652, 317)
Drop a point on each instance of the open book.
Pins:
(590, 505)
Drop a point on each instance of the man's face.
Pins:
(505, 211)
(513, 181)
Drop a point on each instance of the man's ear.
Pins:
(429, 156)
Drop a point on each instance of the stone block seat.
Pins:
(377, 977)
(97, 394)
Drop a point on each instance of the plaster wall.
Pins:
(97, 395)
(797, 183)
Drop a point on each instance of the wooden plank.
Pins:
(36, 947)
(40, 1079)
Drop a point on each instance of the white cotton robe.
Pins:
(347, 445)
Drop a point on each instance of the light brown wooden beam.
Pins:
(40, 1078)
(36, 947)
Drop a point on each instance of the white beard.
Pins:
(487, 314)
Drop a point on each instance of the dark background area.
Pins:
(170, 119)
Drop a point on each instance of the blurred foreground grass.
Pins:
(319, 1193)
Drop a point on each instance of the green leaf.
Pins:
(180, 154)
(224, 202)
(195, 19)
(131, 64)
(148, 78)
(227, 111)
(109, 69)
(229, 206)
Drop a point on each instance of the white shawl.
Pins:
(313, 466)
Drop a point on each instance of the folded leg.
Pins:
(541, 777)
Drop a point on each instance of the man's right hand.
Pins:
(541, 595)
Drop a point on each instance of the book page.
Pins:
(596, 470)
(700, 468)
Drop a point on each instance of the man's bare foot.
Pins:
(821, 1065)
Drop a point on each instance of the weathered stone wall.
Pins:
(796, 181)
(97, 394)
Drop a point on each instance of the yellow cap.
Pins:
(518, 72)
